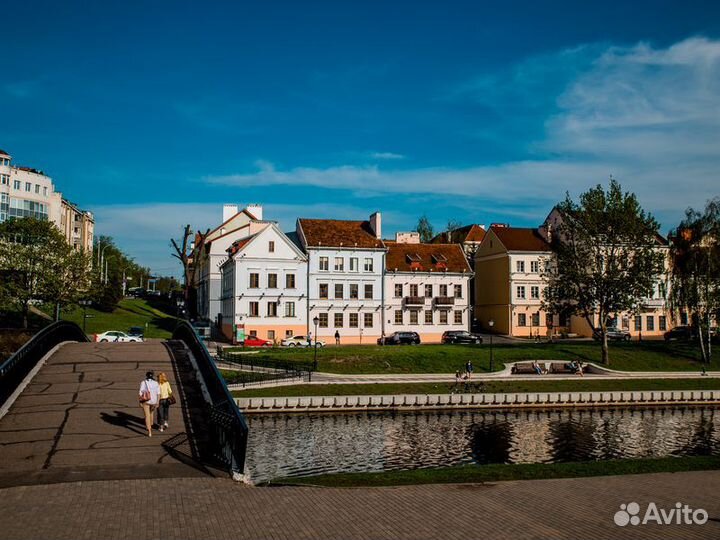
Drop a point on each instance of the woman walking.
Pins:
(149, 398)
(166, 399)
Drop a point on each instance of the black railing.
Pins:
(247, 379)
(22, 362)
(228, 430)
(250, 361)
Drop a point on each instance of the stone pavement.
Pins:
(79, 419)
(212, 508)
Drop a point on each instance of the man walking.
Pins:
(337, 337)
(469, 368)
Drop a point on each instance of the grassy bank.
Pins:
(581, 385)
(500, 472)
(633, 356)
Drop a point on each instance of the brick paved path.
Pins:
(79, 419)
(212, 508)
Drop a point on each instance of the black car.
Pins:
(461, 336)
(136, 331)
(679, 333)
(613, 333)
(400, 338)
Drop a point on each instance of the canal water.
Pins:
(302, 445)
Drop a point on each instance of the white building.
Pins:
(264, 286)
(427, 288)
(346, 261)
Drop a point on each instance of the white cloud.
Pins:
(386, 155)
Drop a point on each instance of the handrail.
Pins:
(22, 362)
(228, 429)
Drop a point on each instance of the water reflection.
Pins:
(300, 445)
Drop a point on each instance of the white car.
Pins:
(117, 337)
(299, 341)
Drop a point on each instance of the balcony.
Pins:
(414, 301)
(444, 301)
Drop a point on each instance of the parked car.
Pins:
(679, 333)
(613, 334)
(400, 338)
(460, 336)
(136, 331)
(254, 341)
(119, 337)
(300, 341)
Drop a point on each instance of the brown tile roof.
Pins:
(337, 233)
(239, 244)
(521, 239)
(468, 233)
(243, 211)
(426, 257)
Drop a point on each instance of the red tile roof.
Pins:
(426, 257)
(338, 233)
(239, 244)
(521, 239)
(468, 233)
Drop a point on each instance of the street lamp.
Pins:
(316, 321)
(491, 323)
(84, 304)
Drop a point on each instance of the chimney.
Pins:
(256, 210)
(376, 224)
(229, 210)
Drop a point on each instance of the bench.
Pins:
(527, 367)
(562, 367)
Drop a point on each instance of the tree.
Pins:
(188, 253)
(695, 271)
(452, 226)
(606, 258)
(425, 229)
(38, 265)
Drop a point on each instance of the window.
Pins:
(354, 294)
(398, 316)
(520, 266)
(338, 290)
(534, 267)
(339, 264)
(458, 317)
(535, 292)
(339, 319)
(443, 290)
(253, 333)
(428, 291)
(458, 291)
(324, 264)
(522, 319)
(272, 309)
(368, 291)
(368, 264)
(254, 281)
(662, 321)
(323, 320)
(413, 317)
(271, 335)
(428, 316)
(28, 186)
(272, 281)
(289, 309)
(16, 184)
(37, 188)
(398, 290)
(323, 290)
(650, 323)
(288, 333)
(353, 264)
(443, 317)
(353, 320)
(683, 318)
(535, 321)
(638, 324)
(289, 281)
(4, 179)
(254, 309)
(45, 191)
(413, 290)
(271, 246)
(520, 290)
(368, 320)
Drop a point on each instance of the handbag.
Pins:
(145, 394)
(171, 399)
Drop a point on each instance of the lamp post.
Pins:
(491, 323)
(316, 321)
(84, 304)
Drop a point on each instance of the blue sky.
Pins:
(155, 114)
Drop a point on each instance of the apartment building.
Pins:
(264, 286)
(77, 225)
(427, 287)
(346, 261)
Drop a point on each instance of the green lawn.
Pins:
(500, 472)
(580, 385)
(633, 356)
(130, 312)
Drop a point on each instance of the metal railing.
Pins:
(22, 362)
(227, 430)
(251, 362)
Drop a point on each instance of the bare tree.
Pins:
(187, 253)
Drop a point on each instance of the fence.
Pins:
(256, 371)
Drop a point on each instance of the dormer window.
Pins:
(439, 259)
(413, 258)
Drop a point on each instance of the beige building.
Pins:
(77, 225)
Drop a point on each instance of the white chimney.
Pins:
(256, 210)
(376, 224)
(229, 210)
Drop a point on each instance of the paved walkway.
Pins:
(212, 508)
(79, 418)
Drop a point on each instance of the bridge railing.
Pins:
(228, 430)
(21, 363)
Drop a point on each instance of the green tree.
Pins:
(425, 229)
(695, 271)
(606, 258)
